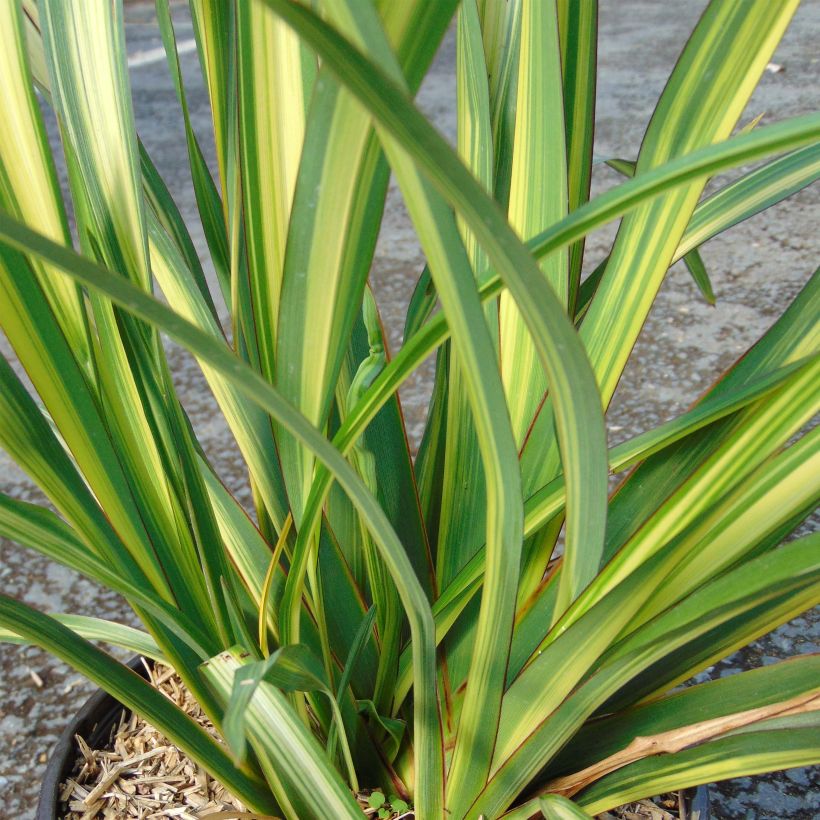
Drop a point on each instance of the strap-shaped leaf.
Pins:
(98, 629)
(750, 601)
(752, 193)
(83, 41)
(339, 197)
(675, 740)
(461, 489)
(292, 668)
(299, 773)
(537, 198)
(26, 316)
(204, 346)
(740, 756)
(85, 50)
(250, 426)
(215, 39)
(274, 81)
(702, 163)
(578, 30)
(456, 288)
(794, 335)
(706, 93)
(28, 180)
(762, 430)
(752, 689)
(692, 259)
(205, 191)
(41, 530)
(555, 807)
(760, 505)
(578, 408)
(549, 500)
(698, 106)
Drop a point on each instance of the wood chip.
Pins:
(141, 775)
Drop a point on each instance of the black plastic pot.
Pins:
(697, 804)
(101, 712)
(93, 723)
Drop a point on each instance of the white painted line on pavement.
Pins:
(154, 55)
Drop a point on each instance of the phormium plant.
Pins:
(393, 622)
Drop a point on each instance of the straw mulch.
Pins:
(142, 775)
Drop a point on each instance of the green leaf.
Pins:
(98, 127)
(692, 260)
(339, 197)
(694, 264)
(548, 501)
(758, 434)
(765, 686)
(28, 180)
(792, 337)
(751, 194)
(274, 82)
(41, 530)
(98, 629)
(702, 100)
(215, 39)
(205, 192)
(250, 426)
(164, 217)
(711, 408)
(746, 602)
(261, 392)
(363, 634)
(785, 485)
(456, 288)
(501, 30)
(422, 303)
(292, 668)
(462, 487)
(302, 778)
(580, 426)
(698, 107)
(136, 395)
(537, 199)
(703, 163)
(392, 729)
(555, 807)
(739, 200)
(578, 31)
(27, 437)
(626, 167)
(740, 756)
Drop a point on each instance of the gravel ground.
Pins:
(757, 269)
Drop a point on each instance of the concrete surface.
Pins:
(757, 268)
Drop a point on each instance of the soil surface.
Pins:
(756, 269)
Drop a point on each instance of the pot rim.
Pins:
(93, 719)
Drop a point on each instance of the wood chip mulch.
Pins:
(662, 808)
(145, 776)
